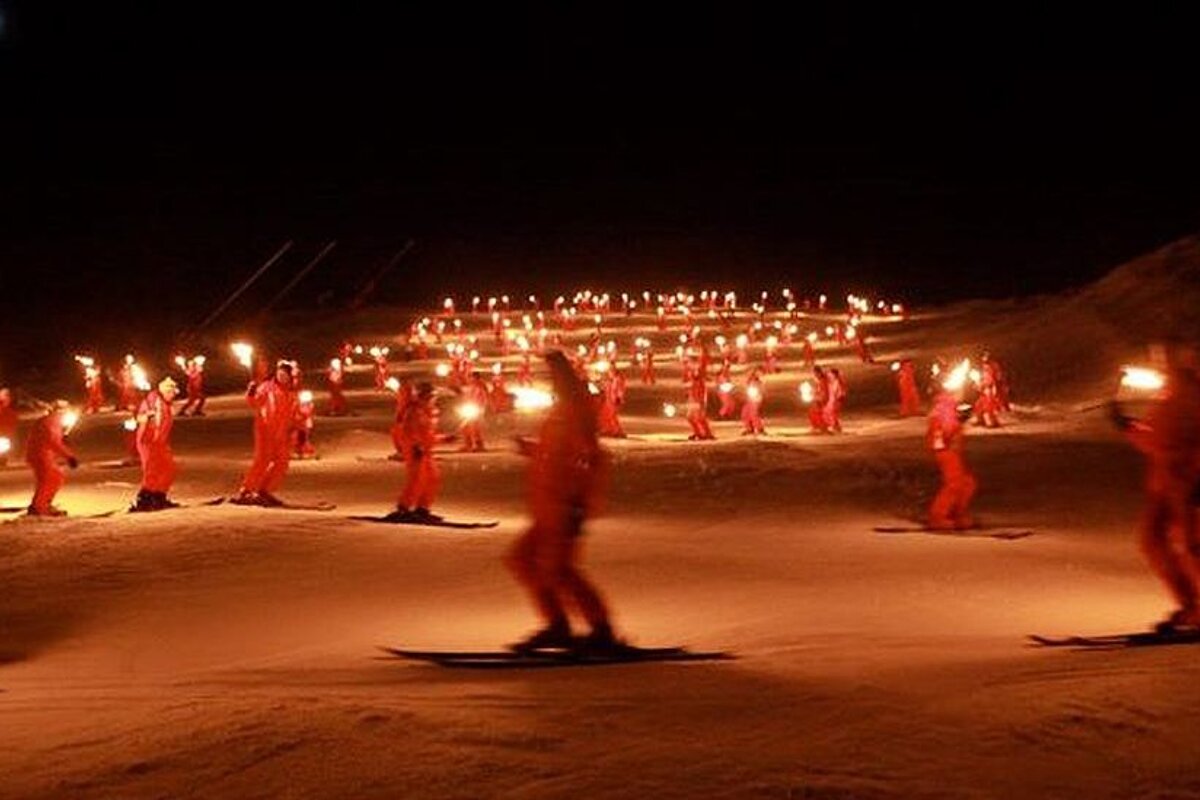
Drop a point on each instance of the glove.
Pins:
(72, 462)
(1122, 421)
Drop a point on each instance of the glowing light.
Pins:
(199, 360)
(181, 361)
(1142, 378)
(958, 376)
(243, 352)
(529, 399)
(392, 384)
(469, 412)
(726, 387)
(306, 398)
(669, 410)
(742, 341)
(130, 424)
(807, 392)
(754, 393)
(497, 369)
(812, 337)
(593, 388)
(5, 445)
(138, 375)
(86, 361)
(895, 366)
(70, 418)
(442, 370)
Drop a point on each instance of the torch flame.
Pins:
(469, 412)
(530, 399)
(958, 376)
(140, 380)
(5, 445)
(442, 370)
(669, 410)
(806, 392)
(243, 352)
(1142, 378)
(393, 384)
(130, 424)
(306, 397)
(70, 418)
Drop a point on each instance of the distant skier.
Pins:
(612, 397)
(404, 396)
(837, 398)
(697, 405)
(336, 378)
(472, 410)
(421, 478)
(45, 448)
(93, 387)
(752, 421)
(303, 424)
(154, 421)
(8, 426)
(1170, 439)
(195, 388)
(951, 506)
(567, 474)
(817, 419)
(906, 384)
(987, 404)
(274, 402)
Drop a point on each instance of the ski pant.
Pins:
(727, 407)
(816, 418)
(544, 560)
(1175, 561)
(271, 457)
(472, 436)
(195, 404)
(951, 506)
(421, 480)
(48, 478)
(752, 421)
(910, 403)
(337, 402)
(699, 421)
(158, 468)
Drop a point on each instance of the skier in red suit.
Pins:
(1169, 437)
(752, 421)
(153, 436)
(906, 384)
(336, 378)
(274, 404)
(45, 448)
(421, 479)
(195, 388)
(568, 472)
(8, 426)
(951, 506)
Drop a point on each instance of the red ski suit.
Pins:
(93, 385)
(611, 399)
(43, 452)
(752, 421)
(1170, 439)
(472, 430)
(906, 382)
(568, 472)
(944, 437)
(154, 421)
(816, 409)
(274, 408)
(337, 397)
(836, 388)
(8, 426)
(421, 480)
(404, 396)
(195, 391)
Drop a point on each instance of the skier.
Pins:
(336, 378)
(302, 426)
(475, 402)
(950, 508)
(273, 401)
(195, 388)
(697, 407)
(421, 479)
(820, 399)
(154, 420)
(1170, 439)
(906, 383)
(404, 395)
(612, 397)
(126, 385)
(93, 387)
(752, 422)
(567, 472)
(8, 426)
(837, 398)
(987, 405)
(44, 450)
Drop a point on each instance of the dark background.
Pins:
(151, 159)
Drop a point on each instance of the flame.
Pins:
(669, 410)
(70, 418)
(442, 370)
(1142, 378)
(130, 424)
(306, 397)
(181, 361)
(243, 352)
(393, 384)
(469, 412)
(529, 399)
(958, 376)
(497, 369)
(806, 392)
(754, 393)
(726, 387)
(5, 445)
(895, 366)
(140, 380)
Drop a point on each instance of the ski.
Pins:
(216, 501)
(29, 518)
(322, 506)
(1005, 534)
(508, 659)
(445, 523)
(1118, 641)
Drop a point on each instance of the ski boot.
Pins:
(268, 500)
(400, 514)
(556, 636)
(422, 514)
(245, 498)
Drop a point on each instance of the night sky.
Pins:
(151, 159)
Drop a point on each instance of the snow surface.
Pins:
(231, 652)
